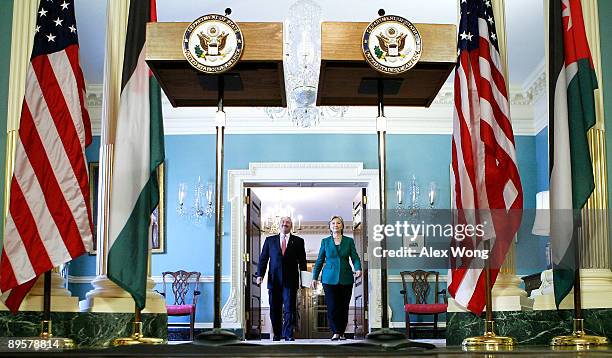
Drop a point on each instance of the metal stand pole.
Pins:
(385, 337)
(489, 340)
(578, 339)
(45, 331)
(137, 336)
(217, 336)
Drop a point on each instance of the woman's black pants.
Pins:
(337, 299)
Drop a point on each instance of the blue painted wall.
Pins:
(190, 247)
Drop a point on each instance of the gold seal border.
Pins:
(379, 66)
(213, 69)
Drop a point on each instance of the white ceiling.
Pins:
(314, 204)
(525, 24)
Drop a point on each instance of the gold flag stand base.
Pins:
(136, 338)
(489, 341)
(45, 333)
(578, 339)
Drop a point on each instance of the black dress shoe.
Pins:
(289, 339)
(276, 338)
(342, 337)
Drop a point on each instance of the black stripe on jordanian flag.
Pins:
(556, 64)
(135, 38)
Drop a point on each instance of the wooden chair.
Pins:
(420, 288)
(181, 283)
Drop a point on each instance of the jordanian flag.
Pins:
(572, 113)
(138, 151)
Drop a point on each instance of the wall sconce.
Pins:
(432, 194)
(414, 192)
(203, 205)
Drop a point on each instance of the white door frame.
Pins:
(232, 313)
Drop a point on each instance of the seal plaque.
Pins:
(392, 44)
(213, 43)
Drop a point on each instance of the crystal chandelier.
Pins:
(301, 63)
(271, 219)
(203, 206)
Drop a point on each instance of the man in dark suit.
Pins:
(287, 258)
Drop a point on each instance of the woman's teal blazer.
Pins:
(337, 269)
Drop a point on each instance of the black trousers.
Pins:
(282, 310)
(337, 299)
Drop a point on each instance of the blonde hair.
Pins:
(341, 221)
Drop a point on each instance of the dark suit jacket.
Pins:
(284, 270)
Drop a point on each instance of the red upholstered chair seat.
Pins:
(174, 310)
(427, 308)
(416, 291)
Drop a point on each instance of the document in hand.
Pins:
(306, 278)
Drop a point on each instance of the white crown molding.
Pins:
(437, 119)
(537, 75)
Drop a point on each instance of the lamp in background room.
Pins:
(541, 227)
(541, 223)
(203, 207)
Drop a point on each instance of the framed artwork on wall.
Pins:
(157, 229)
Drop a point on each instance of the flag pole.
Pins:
(45, 332)
(489, 341)
(217, 336)
(578, 338)
(138, 336)
(385, 336)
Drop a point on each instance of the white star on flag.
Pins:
(58, 22)
(50, 38)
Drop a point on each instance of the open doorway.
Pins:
(310, 205)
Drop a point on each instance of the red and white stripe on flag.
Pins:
(49, 220)
(486, 183)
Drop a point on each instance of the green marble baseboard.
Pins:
(87, 329)
(528, 327)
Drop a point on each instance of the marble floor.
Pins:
(436, 342)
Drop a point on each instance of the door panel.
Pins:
(253, 243)
(361, 284)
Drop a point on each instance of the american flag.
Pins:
(49, 221)
(486, 182)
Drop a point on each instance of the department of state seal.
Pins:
(391, 44)
(213, 43)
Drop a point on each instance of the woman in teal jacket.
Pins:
(338, 277)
